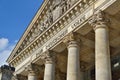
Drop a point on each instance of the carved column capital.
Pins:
(48, 57)
(33, 69)
(99, 19)
(72, 38)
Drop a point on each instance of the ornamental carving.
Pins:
(53, 11)
(48, 57)
(72, 37)
(61, 6)
(56, 3)
(33, 68)
(64, 6)
(99, 19)
(49, 17)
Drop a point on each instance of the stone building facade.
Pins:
(70, 40)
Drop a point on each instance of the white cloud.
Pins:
(5, 50)
(3, 43)
(16, 41)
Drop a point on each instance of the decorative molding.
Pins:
(70, 38)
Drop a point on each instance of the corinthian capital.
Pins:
(33, 69)
(99, 19)
(48, 57)
(72, 37)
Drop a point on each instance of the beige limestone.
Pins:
(49, 72)
(102, 54)
(73, 66)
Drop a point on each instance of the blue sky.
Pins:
(15, 16)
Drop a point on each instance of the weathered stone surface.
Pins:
(6, 72)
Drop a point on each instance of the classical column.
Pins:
(49, 73)
(73, 65)
(32, 70)
(102, 53)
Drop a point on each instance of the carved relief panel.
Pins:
(52, 11)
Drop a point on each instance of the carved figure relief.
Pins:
(60, 6)
(42, 27)
(57, 11)
(64, 5)
(57, 8)
(39, 28)
(50, 17)
(36, 31)
(56, 3)
(70, 3)
(46, 22)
